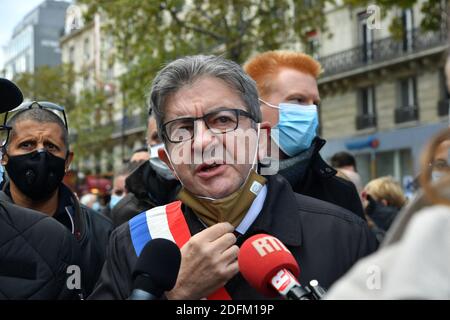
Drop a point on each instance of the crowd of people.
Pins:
(205, 181)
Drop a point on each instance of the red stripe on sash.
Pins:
(177, 223)
(220, 294)
(181, 234)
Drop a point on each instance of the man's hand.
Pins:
(208, 261)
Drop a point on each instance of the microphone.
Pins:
(10, 95)
(156, 270)
(269, 267)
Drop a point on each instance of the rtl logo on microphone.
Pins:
(284, 281)
(266, 245)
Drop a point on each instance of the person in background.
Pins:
(382, 198)
(413, 259)
(35, 250)
(89, 200)
(151, 184)
(440, 164)
(289, 97)
(140, 155)
(36, 158)
(346, 163)
(118, 191)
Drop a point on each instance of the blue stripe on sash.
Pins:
(139, 232)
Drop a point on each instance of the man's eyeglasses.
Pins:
(219, 122)
(4, 135)
(56, 109)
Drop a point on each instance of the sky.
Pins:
(11, 13)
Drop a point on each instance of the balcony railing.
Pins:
(129, 123)
(406, 114)
(383, 50)
(365, 121)
(443, 106)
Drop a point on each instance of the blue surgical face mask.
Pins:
(437, 175)
(1, 173)
(96, 206)
(297, 126)
(114, 200)
(158, 165)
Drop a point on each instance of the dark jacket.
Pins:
(146, 189)
(91, 230)
(325, 239)
(35, 253)
(310, 175)
(382, 217)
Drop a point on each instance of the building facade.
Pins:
(383, 97)
(35, 40)
(90, 52)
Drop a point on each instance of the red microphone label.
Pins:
(266, 245)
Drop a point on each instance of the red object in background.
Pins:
(97, 185)
(311, 34)
(375, 143)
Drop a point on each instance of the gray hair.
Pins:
(41, 116)
(187, 70)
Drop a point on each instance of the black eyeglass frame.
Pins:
(41, 105)
(8, 129)
(238, 112)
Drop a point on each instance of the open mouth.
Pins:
(208, 170)
(207, 167)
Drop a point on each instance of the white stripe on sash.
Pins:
(157, 223)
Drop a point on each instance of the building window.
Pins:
(85, 82)
(366, 37)
(86, 49)
(72, 54)
(444, 101)
(312, 47)
(366, 117)
(408, 29)
(408, 109)
(309, 3)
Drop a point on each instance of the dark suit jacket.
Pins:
(325, 239)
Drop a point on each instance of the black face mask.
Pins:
(36, 174)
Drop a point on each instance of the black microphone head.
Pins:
(10, 95)
(157, 268)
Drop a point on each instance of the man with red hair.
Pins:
(289, 96)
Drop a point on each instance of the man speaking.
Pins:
(208, 117)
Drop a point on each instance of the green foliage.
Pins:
(50, 84)
(87, 132)
(149, 34)
(56, 84)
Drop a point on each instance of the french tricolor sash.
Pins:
(166, 222)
